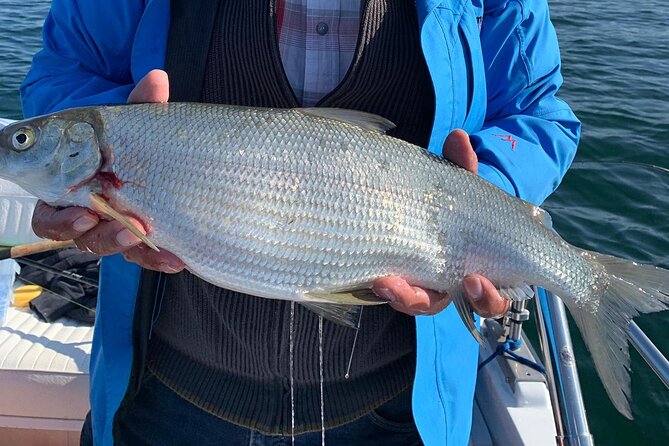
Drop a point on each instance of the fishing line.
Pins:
(157, 302)
(292, 380)
(584, 164)
(320, 361)
(62, 273)
(355, 340)
(29, 282)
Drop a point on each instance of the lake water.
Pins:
(615, 198)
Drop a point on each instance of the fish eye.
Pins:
(23, 139)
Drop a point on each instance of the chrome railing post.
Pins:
(649, 352)
(571, 421)
(515, 318)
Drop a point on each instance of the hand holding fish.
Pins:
(481, 293)
(313, 205)
(110, 237)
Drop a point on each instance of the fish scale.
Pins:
(313, 205)
(280, 201)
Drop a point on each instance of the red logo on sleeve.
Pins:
(508, 138)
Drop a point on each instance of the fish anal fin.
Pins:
(466, 313)
(517, 293)
(101, 205)
(368, 121)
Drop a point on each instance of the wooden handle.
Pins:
(34, 248)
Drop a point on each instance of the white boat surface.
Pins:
(44, 382)
(43, 379)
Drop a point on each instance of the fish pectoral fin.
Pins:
(516, 293)
(466, 313)
(347, 315)
(368, 121)
(100, 205)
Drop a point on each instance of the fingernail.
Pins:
(386, 294)
(126, 238)
(473, 287)
(84, 223)
(167, 268)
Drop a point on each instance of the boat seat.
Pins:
(43, 378)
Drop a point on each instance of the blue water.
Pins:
(615, 198)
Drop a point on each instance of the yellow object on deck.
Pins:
(24, 294)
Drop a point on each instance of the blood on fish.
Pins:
(111, 178)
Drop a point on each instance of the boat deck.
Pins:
(44, 379)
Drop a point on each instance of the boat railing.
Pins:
(571, 422)
(559, 359)
(649, 352)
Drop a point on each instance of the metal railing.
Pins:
(561, 373)
(649, 352)
(570, 418)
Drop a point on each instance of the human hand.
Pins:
(102, 237)
(481, 293)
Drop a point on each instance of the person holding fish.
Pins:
(177, 360)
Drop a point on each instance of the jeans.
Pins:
(160, 417)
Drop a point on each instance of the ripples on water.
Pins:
(20, 38)
(616, 67)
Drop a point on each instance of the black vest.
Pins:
(226, 352)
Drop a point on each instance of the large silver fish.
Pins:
(312, 205)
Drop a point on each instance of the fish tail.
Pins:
(626, 289)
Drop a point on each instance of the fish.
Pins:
(313, 204)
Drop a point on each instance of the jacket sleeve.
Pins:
(86, 56)
(529, 137)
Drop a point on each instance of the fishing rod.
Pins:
(62, 273)
(19, 251)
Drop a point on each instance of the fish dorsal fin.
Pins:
(100, 205)
(368, 121)
(540, 215)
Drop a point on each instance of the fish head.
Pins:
(51, 156)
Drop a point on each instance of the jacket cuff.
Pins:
(494, 176)
(529, 170)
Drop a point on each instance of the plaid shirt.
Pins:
(317, 41)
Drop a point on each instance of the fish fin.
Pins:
(363, 296)
(347, 315)
(520, 292)
(541, 216)
(368, 121)
(100, 205)
(625, 289)
(466, 313)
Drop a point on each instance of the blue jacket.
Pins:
(525, 138)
